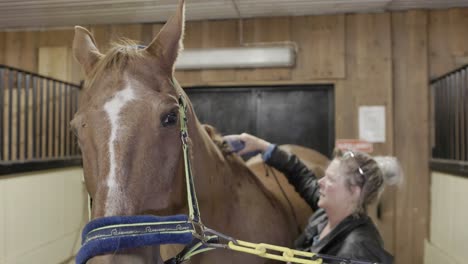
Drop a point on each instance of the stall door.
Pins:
(301, 115)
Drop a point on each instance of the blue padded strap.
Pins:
(110, 234)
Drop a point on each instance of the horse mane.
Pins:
(228, 153)
(217, 139)
(116, 58)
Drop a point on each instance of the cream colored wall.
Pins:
(41, 216)
(449, 213)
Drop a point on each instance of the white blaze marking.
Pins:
(113, 109)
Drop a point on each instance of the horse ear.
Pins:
(167, 44)
(85, 50)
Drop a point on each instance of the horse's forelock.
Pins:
(115, 59)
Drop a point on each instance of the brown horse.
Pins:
(128, 130)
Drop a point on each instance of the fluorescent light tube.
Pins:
(239, 57)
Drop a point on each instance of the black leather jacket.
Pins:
(356, 237)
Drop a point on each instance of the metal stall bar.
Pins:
(443, 92)
(67, 122)
(436, 92)
(19, 84)
(26, 115)
(75, 109)
(10, 114)
(459, 110)
(70, 103)
(455, 116)
(72, 136)
(34, 117)
(41, 117)
(60, 110)
(47, 123)
(449, 119)
(54, 119)
(465, 110)
(2, 107)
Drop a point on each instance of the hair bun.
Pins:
(391, 169)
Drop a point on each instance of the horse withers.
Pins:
(127, 126)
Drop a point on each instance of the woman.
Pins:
(340, 225)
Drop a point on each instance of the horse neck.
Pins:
(213, 172)
(225, 188)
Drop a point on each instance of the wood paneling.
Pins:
(102, 35)
(218, 34)
(260, 31)
(368, 82)
(132, 32)
(2, 47)
(53, 62)
(321, 41)
(411, 117)
(448, 38)
(21, 50)
(192, 40)
(56, 37)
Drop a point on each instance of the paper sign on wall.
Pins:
(354, 145)
(372, 123)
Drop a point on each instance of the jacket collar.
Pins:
(339, 233)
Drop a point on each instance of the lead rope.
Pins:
(268, 168)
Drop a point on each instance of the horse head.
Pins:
(128, 129)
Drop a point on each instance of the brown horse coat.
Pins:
(127, 126)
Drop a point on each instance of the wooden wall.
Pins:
(372, 59)
(411, 144)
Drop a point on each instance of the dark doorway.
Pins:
(301, 115)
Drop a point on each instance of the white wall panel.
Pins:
(449, 211)
(43, 214)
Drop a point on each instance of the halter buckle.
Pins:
(222, 239)
(199, 230)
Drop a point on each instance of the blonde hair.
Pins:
(371, 174)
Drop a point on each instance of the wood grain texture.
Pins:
(2, 47)
(130, 31)
(63, 37)
(218, 34)
(411, 114)
(21, 50)
(369, 82)
(448, 35)
(102, 35)
(268, 30)
(321, 41)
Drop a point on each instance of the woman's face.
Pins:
(334, 194)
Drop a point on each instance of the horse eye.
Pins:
(169, 119)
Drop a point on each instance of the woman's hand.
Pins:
(252, 143)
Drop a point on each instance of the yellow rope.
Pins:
(274, 252)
